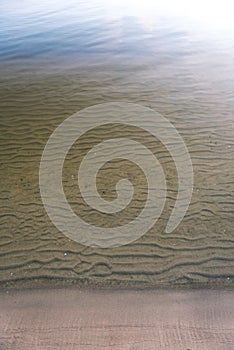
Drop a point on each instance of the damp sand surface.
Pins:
(118, 320)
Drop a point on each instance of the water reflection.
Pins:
(31, 30)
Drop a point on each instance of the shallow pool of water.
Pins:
(59, 58)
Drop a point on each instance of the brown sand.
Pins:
(117, 320)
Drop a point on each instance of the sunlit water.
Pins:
(59, 57)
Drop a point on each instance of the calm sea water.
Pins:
(59, 57)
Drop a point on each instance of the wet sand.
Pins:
(117, 320)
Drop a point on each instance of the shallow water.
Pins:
(58, 58)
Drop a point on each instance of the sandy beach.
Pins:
(64, 283)
(117, 320)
